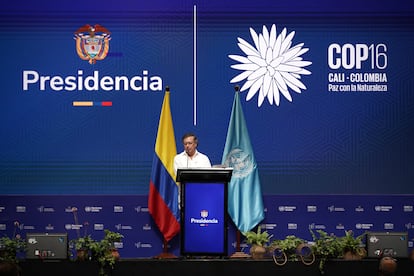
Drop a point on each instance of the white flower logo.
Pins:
(271, 66)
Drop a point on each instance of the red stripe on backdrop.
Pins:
(106, 103)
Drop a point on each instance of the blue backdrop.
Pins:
(128, 215)
(323, 141)
(346, 136)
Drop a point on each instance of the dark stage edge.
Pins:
(210, 267)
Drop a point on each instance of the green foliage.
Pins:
(258, 238)
(83, 247)
(10, 246)
(111, 238)
(82, 243)
(102, 251)
(330, 246)
(325, 246)
(288, 245)
(351, 243)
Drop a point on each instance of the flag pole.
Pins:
(162, 196)
(245, 202)
(238, 253)
(238, 240)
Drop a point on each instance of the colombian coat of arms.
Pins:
(92, 42)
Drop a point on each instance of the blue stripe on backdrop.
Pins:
(128, 214)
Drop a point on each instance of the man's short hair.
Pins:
(190, 134)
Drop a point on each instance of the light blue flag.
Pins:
(245, 201)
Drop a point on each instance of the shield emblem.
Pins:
(204, 213)
(92, 43)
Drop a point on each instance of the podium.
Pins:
(203, 211)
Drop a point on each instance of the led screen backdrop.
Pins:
(128, 214)
(329, 89)
(326, 90)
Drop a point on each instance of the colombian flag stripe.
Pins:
(90, 103)
(163, 192)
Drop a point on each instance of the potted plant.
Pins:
(258, 241)
(10, 246)
(325, 246)
(105, 250)
(352, 247)
(83, 243)
(82, 246)
(291, 246)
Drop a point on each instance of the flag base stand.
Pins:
(165, 255)
(239, 255)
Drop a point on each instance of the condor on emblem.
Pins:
(92, 42)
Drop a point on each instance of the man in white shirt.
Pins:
(191, 157)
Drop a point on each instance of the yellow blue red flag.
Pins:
(163, 191)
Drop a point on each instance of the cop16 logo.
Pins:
(354, 56)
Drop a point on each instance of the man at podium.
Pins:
(191, 157)
(202, 201)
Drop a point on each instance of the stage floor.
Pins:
(210, 267)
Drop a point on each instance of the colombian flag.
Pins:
(163, 191)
